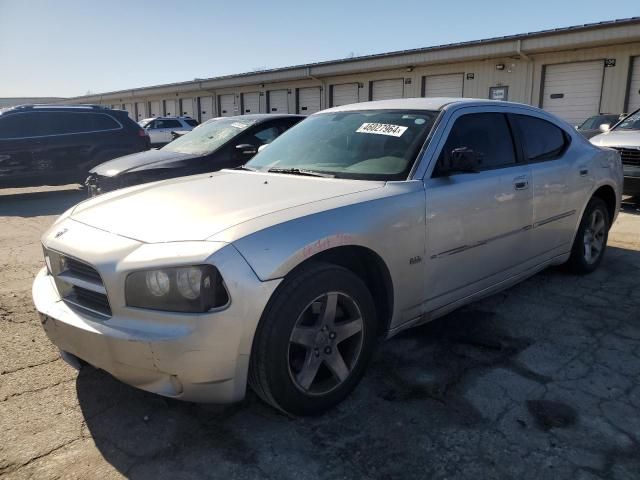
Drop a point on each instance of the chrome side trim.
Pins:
(464, 248)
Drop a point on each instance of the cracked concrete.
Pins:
(540, 381)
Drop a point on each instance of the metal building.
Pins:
(573, 72)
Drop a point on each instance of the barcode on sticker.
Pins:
(382, 129)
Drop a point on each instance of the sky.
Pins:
(71, 47)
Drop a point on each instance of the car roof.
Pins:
(57, 108)
(433, 103)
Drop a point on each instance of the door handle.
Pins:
(520, 183)
(584, 172)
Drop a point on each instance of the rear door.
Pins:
(478, 224)
(560, 184)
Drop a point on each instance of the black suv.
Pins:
(59, 144)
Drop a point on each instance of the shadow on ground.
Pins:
(530, 383)
(21, 203)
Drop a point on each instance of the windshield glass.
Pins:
(369, 144)
(593, 123)
(632, 122)
(209, 136)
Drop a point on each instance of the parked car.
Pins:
(59, 144)
(592, 126)
(357, 223)
(218, 143)
(625, 138)
(159, 128)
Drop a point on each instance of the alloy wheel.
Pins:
(594, 236)
(325, 343)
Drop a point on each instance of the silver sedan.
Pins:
(359, 222)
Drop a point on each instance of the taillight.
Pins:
(142, 133)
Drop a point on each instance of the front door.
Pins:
(478, 224)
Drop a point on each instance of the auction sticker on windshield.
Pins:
(382, 129)
(238, 125)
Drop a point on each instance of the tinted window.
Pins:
(19, 125)
(167, 124)
(487, 134)
(191, 123)
(541, 140)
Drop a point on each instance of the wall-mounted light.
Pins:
(410, 68)
(500, 66)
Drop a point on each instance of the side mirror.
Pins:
(246, 149)
(605, 127)
(463, 159)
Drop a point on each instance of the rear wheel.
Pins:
(314, 341)
(591, 238)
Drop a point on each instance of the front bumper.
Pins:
(195, 357)
(631, 180)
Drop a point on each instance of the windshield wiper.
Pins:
(300, 171)
(244, 167)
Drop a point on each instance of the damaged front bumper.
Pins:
(196, 357)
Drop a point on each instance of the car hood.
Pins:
(127, 163)
(197, 207)
(618, 138)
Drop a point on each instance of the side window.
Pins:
(267, 135)
(100, 121)
(20, 125)
(170, 124)
(487, 134)
(541, 140)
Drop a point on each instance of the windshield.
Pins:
(593, 123)
(369, 144)
(632, 122)
(209, 136)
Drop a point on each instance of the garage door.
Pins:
(155, 109)
(633, 101)
(141, 109)
(443, 85)
(227, 105)
(387, 89)
(572, 90)
(344, 94)
(206, 108)
(308, 100)
(170, 108)
(187, 107)
(130, 110)
(250, 103)
(278, 102)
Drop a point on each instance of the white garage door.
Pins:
(187, 107)
(227, 104)
(443, 85)
(387, 89)
(141, 108)
(155, 109)
(206, 108)
(633, 102)
(278, 101)
(572, 90)
(250, 103)
(170, 108)
(344, 94)
(130, 110)
(308, 100)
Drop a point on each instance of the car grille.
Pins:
(630, 156)
(79, 284)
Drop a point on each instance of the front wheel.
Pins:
(591, 239)
(314, 340)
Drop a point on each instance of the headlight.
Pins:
(178, 289)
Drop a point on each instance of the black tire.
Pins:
(271, 373)
(579, 261)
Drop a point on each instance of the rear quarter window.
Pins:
(541, 140)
